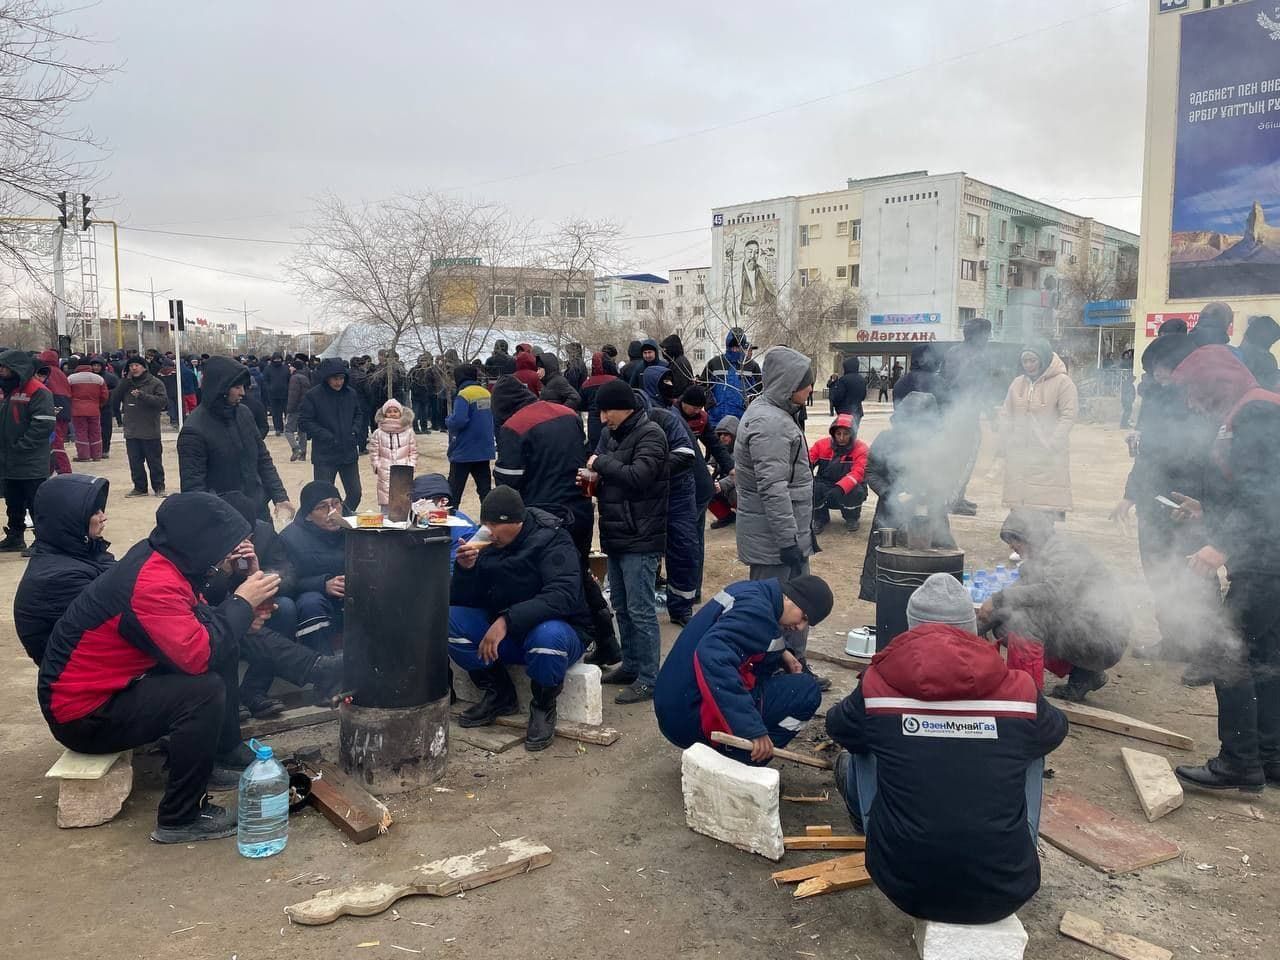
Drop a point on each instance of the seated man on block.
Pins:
(315, 545)
(517, 599)
(943, 757)
(730, 672)
(139, 656)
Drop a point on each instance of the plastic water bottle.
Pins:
(262, 827)
(1002, 575)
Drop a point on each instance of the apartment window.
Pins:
(1068, 248)
(968, 269)
(504, 303)
(855, 274)
(1095, 255)
(700, 333)
(642, 304)
(815, 231)
(573, 304)
(1004, 230)
(842, 228)
(679, 313)
(974, 224)
(624, 304)
(855, 229)
(1111, 258)
(804, 278)
(538, 302)
(967, 314)
(701, 289)
(804, 234)
(679, 289)
(697, 311)
(1015, 276)
(842, 273)
(1000, 275)
(1021, 234)
(699, 355)
(658, 304)
(999, 320)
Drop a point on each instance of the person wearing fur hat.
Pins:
(729, 671)
(943, 761)
(394, 442)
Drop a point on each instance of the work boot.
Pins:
(728, 521)
(135, 493)
(542, 717)
(605, 650)
(964, 508)
(843, 771)
(637, 692)
(325, 675)
(618, 676)
(263, 706)
(1197, 675)
(13, 542)
(851, 526)
(237, 758)
(823, 683)
(1080, 683)
(1216, 775)
(681, 619)
(1271, 771)
(498, 697)
(212, 823)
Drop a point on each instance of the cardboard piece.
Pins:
(1099, 838)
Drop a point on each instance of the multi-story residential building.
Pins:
(687, 313)
(912, 256)
(636, 301)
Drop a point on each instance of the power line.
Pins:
(202, 266)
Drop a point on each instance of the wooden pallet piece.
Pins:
(809, 871)
(849, 663)
(824, 843)
(808, 760)
(1099, 719)
(298, 717)
(1121, 945)
(1102, 840)
(820, 798)
(832, 882)
(1158, 790)
(600, 736)
(83, 766)
(823, 830)
(485, 738)
(439, 878)
(347, 805)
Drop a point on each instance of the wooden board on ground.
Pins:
(820, 798)
(485, 738)
(1120, 945)
(83, 766)
(822, 830)
(824, 843)
(831, 882)
(289, 720)
(440, 878)
(1158, 789)
(600, 736)
(348, 805)
(1099, 838)
(796, 874)
(855, 664)
(1086, 716)
(807, 759)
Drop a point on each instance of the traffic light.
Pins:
(62, 208)
(85, 210)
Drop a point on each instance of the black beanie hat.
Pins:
(502, 505)
(812, 595)
(314, 492)
(615, 395)
(694, 396)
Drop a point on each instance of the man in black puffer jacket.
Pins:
(275, 386)
(220, 449)
(681, 369)
(848, 392)
(633, 485)
(69, 554)
(555, 387)
(925, 375)
(331, 416)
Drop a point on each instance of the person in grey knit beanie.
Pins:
(942, 599)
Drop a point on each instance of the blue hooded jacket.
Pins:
(470, 425)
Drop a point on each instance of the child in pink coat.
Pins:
(393, 442)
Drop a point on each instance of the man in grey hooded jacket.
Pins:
(775, 482)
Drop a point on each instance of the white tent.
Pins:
(366, 339)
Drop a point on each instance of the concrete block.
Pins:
(1157, 788)
(1005, 940)
(87, 803)
(581, 700)
(731, 801)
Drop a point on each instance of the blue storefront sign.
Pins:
(903, 319)
(1108, 313)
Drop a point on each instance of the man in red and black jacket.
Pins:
(840, 466)
(944, 764)
(139, 656)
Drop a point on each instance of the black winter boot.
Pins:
(13, 541)
(605, 650)
(1080, 683)
(498, 700)
(1216, 775)
(542, 717)
(325, 676)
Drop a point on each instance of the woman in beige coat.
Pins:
(1039, 411)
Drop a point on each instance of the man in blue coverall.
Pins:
(730, 671)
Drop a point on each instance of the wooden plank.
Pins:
(823, 830)
(289, 720)
(820, 798)
(824, 843)
(1086, 716)
(1121, 945)
(849, 663)
(796, 874)
(83, 766)
(809, 761)
(601, 736)
(1158, 789)
(1099, 838)
(348, 805)
(485, 738)
(831, 882)
(440, 878)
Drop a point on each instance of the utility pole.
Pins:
(152, 282)
(175, 314)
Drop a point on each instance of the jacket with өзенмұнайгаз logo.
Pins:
(953, 732)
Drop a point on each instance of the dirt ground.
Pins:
(628, 874)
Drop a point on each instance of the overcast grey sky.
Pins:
(229, 118)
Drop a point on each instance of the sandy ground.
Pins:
(628, 874)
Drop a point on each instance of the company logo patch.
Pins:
(965, 728)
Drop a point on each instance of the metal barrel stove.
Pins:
(900, 570)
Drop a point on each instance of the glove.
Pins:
(793, 558)
(835, 498)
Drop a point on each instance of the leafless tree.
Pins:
(575, 252)
(1094, 279)
(806, 318)
(41, 150)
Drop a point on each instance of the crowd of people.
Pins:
(149, 647)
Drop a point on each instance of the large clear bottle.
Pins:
(262, 825)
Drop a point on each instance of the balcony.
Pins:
(1026, 255)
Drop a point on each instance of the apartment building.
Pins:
(631, 300)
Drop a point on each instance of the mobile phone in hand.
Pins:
(1165, 502)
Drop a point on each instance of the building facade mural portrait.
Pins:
(750, 268)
